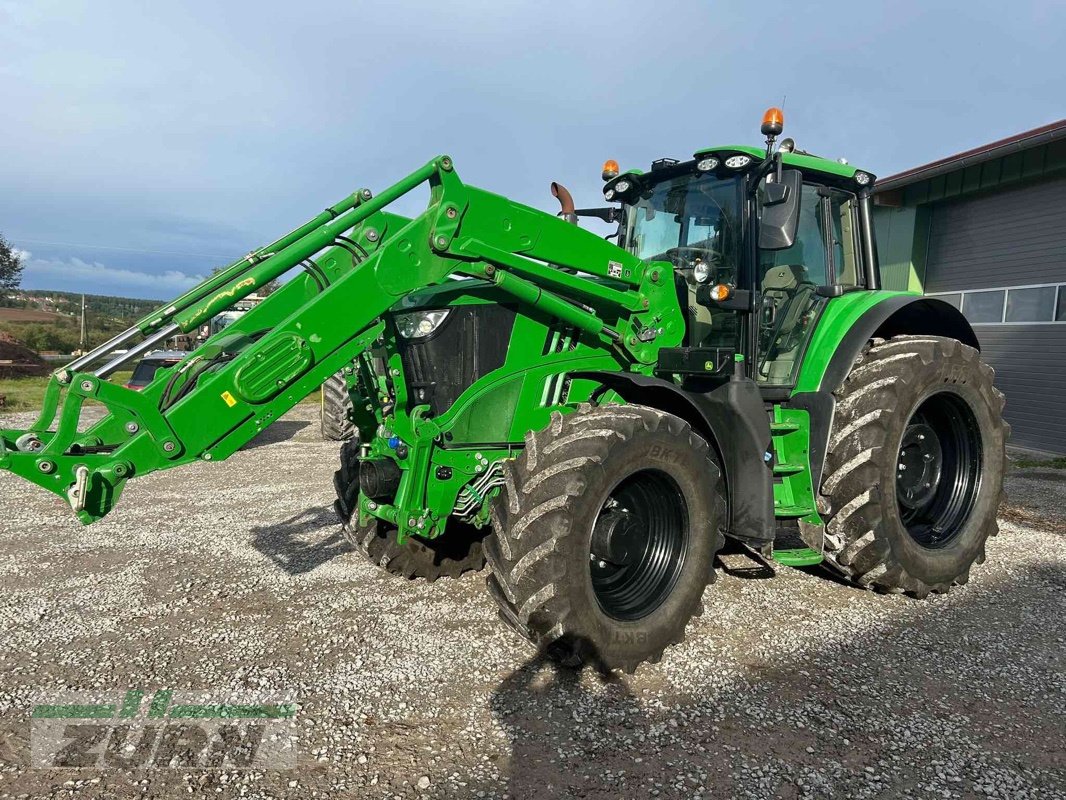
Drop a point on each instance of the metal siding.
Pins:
(894, 228)
(1030, 365)
(1009, 237)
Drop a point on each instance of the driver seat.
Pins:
(788, 287)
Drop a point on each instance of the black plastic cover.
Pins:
(471, 342)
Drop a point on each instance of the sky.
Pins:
(143, 144)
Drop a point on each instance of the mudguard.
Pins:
(896, 315)
(732, 417)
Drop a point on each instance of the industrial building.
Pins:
(985, 230)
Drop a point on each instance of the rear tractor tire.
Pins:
(459, 550)
(336, 411)
(604, 535)
(914, 470)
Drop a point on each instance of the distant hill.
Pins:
(126, 309)
(29, 315)
(48, 321)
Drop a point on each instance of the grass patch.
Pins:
(22, 394)
(1053, 463)
(27, 394)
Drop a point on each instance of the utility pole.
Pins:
(81, 347)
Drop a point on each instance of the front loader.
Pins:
(590, 417)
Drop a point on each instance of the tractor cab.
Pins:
(758, 241)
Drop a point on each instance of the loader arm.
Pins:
(359, 260)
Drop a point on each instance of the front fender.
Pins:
(733, 419)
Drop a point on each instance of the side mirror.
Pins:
(779, 207)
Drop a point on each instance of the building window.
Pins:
(983, 306)
(1039, 304)
(1030, 305)
(951, 300)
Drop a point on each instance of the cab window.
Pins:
(825, 252)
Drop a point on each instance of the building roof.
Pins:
(1002, 147)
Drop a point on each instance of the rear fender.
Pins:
(896, 315)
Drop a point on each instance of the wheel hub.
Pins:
(938, 469)
(638, 545)
(617, 537)
(919, 466)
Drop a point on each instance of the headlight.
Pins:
(701, 271)
(419, 324)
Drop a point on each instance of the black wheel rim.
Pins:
(638, 545)
(938, 469)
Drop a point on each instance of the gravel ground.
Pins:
(234, 576)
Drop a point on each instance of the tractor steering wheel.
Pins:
(685, 257)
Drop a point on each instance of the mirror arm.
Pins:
(765, 166)
(607, 214)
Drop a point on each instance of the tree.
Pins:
(10, 267)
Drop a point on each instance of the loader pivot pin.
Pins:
(77, 492)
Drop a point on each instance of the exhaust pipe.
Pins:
(566, 202)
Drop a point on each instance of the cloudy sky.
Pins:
(143, 144)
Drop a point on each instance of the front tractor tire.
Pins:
(914, 470)
(605, 534)
(458, 551)
(335, 413)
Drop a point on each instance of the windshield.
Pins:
(144, 372)
(687, 219)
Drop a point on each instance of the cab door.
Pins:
(794, 283)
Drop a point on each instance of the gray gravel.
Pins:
(230, 576)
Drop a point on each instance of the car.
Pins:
(145, 370)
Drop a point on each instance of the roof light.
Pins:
(773, 122)
(706, 164)
(608, 195)
(610, 169)
(622, 187)
(862, 178)
(737, 162)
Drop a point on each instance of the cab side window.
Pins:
(824, 252)
(844, 231)
(806, 259)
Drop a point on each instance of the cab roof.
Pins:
(841, 174)
(804, 161)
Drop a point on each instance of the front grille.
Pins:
(471, 342)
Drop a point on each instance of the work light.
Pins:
(701, 271)
(419, 324)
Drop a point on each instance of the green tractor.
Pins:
(592, 418)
